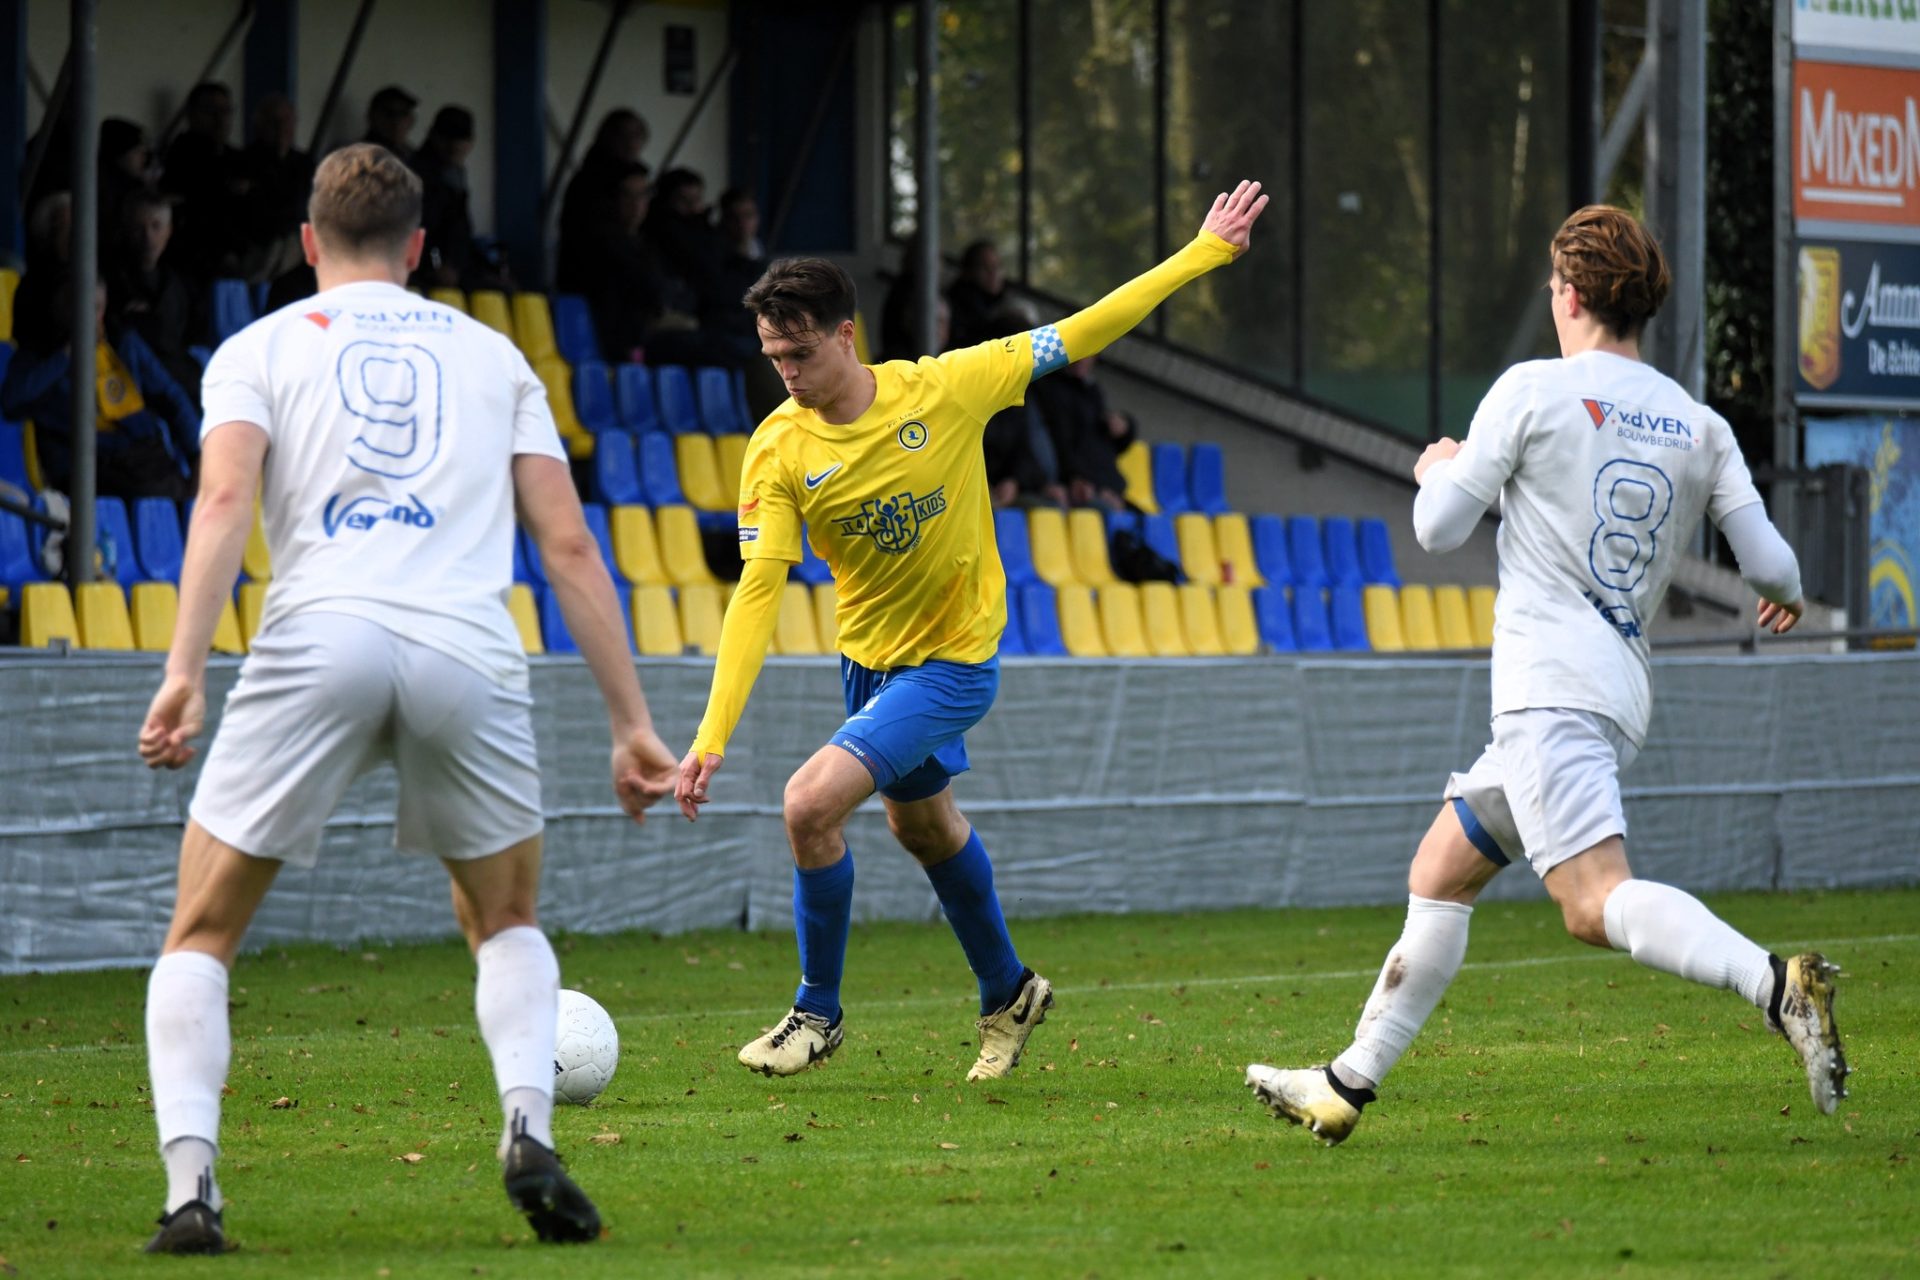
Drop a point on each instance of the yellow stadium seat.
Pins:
(656, 623)
(526, 618)
(700, 614)
(255, 561)
(489, 307)
(1383, 620)
(1160, 613)
(700, 473)
(1417, 622)
(101, 610)
(1239, 633)
(1480, 610)
(1079, 624)
(793, 629)
(1087, 540)
(1199, 619)
(253, 603)
(1198, 555)
(1233, 540)
(731, 452)
(46, 615)
(30, 450)
(226, 632)
(533, 325)
(455, 298)
(1120, 621)
(1136, 468)
(9, 281)
(558, 380)
(156, 605)
(1450, 611)
(680, 549)
(826, 617)
(635, 550)
(1052, 554)
(862, 345)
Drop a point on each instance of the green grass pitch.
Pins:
(1565, 1114)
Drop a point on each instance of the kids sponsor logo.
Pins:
(1638, 425)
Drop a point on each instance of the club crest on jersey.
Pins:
(912, 435)
(894, 523)
(369, 511)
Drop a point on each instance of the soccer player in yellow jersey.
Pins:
(883, 466)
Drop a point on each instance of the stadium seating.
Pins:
(1480, 602)
(526, 617)
(635, 549)
(1087, 540)
(156, 533)
(680, 549)
(1136, 468)
(1199, 620)
(113, 534)
(1013, 638)
(700, 477)
(1207, 480)
(826, 618)
(489, 307)
(573, 335)
(154, 608)
(1312, 628)
(1349, 617)
(1160, 611)
(1169, 479)
(1239, 633)
(30, 452)
(593, 397)
(1158, 533)
(1376, 553)
(17, 565)
(455, 298)
(251, 600)
(1016, 554)
(100, 609)
(633, 396)
(1047, 542)
(718, 412)
(793, 629)
(13, 447)
(677, 411)
(1079, 622)
(533, 327)
(616, 470)
(731, 452)
(226, 631)
(659, 472)
(1273, 617)
(553, 625)
(9, 284)
(656, 623)
(700, 614)
(1384, 630)
(1342, 552)
(1199, 558)
(526, 560)
(1452, 618)
(811, 567)
(1304, 555)
(46, 615)
(558, 380)
(1417, 621)
(1040, 621)
(232, 309)
(1233, 542)
(255, 561)
(598, 525)
(1120, 623)
(740, 405)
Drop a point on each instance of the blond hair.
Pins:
(365, 202)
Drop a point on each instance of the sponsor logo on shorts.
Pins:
(357, 515)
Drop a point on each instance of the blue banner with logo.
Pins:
(1859, 325)
(1889, 448)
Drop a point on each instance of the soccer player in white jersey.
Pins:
(390, 439)
(1604, 468)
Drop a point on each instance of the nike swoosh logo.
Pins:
(1026, 1007)
(815, 481)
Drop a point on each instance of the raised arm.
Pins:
(744, 636)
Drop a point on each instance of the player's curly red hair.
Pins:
(1615, 265)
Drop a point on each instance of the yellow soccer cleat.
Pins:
(1003, 1033)
(1304, 1097)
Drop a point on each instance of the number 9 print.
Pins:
(395, 390)
(1631, 500)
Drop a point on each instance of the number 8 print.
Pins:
(1632, 500)
(395, 389)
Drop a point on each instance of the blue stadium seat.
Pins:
(1157, 532)
(1117, 521)
(1013, 641)
(260, 291)
(232, 309)
(677, 411)
(113, 533)
(633, 393)
(527, 566)
(659, 473)
(1169, 479)
(1207, 480)
(593, 397)
(1040, 617)
(811, 569)
(6, 355)
(553, 624)
(616, 471)
(1274, 618)
(1349, 619)
(13, 451)
(202, 355)
(1270, 550)
(1343, 553)
(1312, 629)
(1016, 550)
(740, 405)
(1304, 552)
(717, 412)
(573, 329)
(596, 517)
(17, 563)
(1376, 554)
(156, 533)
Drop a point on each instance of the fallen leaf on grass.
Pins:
(283, 1103)
(605, 1139)
(949, 1146)
(412, 1157)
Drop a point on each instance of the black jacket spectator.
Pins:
(390, 120)
(125, 167)
(1090, 437)
(976, 295)
(146, 296)
(441, 163)
(594, 190)
(279, 179)
(204, 171)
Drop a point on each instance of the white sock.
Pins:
(1415, 976)
(517, 998)
(1670, 930)
(188, 1048)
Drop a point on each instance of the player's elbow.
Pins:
(570, 555)
(222, 502)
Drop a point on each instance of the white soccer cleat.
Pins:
(1304, 1097)
(1806, 1020)
(1003, 1035)
(800, 1040)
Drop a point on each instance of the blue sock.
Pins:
(822, 913)
(964, 884)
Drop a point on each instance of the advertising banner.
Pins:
(1889, 448)
(1856, 145)
(1859, 324)
(1878, 27)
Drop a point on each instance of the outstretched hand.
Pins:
(696, 770)
(1232, 216)
(643, 772)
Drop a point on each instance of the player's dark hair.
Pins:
(365, 201)
(1615, 264)
(798, 294)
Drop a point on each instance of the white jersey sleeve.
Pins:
(534, 430)
(235, 387)
(1496, 437)
(1732, 483)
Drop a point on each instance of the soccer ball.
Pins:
(585, 1051)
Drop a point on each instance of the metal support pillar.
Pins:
(926, 156)
(828, 82)
(1586, 109)
(272, 57)
(615, 16)
(339, 81)
(84, 108)
(1675, 342)
(519, 134)
(1786, 302)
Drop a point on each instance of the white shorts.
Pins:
(323, 698)
(1547, 787)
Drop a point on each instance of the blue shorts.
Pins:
(908, 725)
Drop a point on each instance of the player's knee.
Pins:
(1586, 920)
(809, 812)
(929, 837)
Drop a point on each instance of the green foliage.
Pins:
(1740, 210)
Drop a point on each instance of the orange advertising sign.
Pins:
(1856, 144)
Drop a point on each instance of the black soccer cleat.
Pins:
(540, 1188)
(192, 1228)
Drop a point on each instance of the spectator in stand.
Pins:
(390, 120)
(976, 294)
(146, 295)
(125, 166)
(743, 259)
(204, 171)
(592, 192)
(1089, 436)
(441, 163)
(685, 244)
(1023, 469)
(148, 431)
(279, 180)
(639, 311)
(49, 251)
